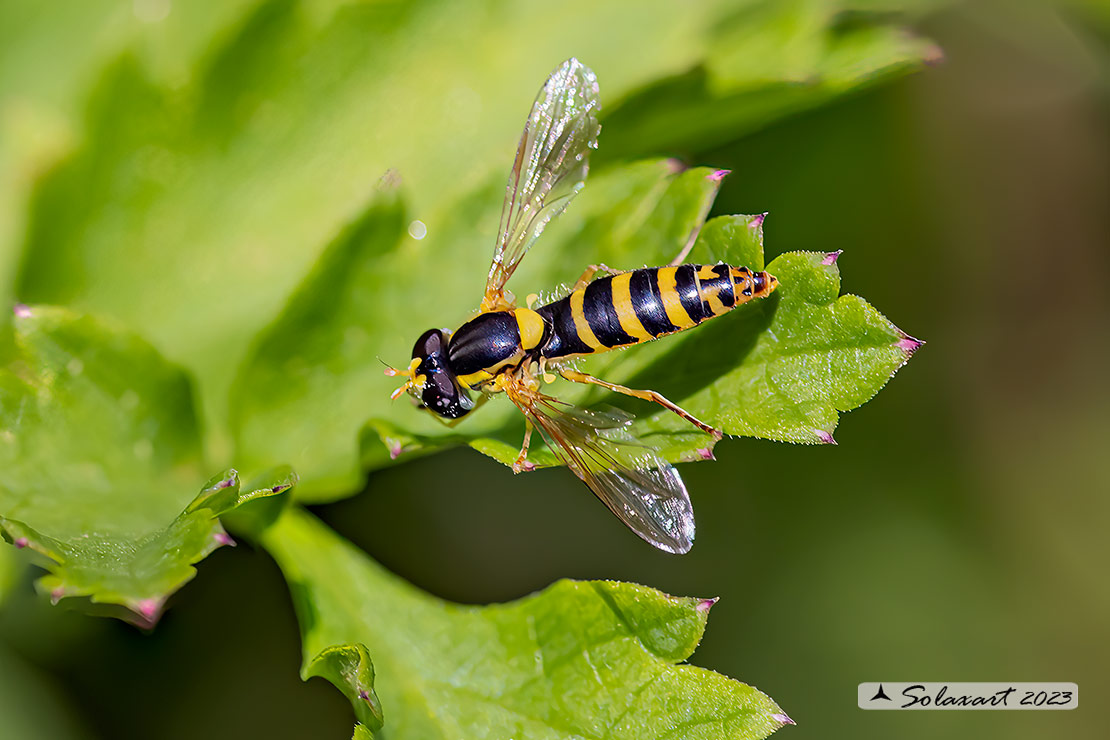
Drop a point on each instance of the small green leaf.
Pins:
(98, 450)
(796, 361)
(781, 368)
(580, 659)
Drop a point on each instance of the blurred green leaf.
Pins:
(580, 659)
(11, 567)
(51, 55)
(30, 706)
(765, 60)
(99, 448)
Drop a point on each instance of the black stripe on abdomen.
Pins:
(687, 288)
(648, 303)
(564, 338)
(724, 285)
(597, 305)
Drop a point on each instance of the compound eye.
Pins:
(430, 343)
(439, 385)
(443, 397)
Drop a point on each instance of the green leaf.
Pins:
(99, 449)
(580, 659)
(236, 155)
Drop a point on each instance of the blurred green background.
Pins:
(957, 532)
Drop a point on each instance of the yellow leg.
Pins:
(589, 272)
(577, 377)
(522, 465)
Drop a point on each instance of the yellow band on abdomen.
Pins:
(581, 326)
(626, 313)
(672, 304)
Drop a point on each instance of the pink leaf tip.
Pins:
(908, 344)
(782, 719)
(706, 604)
(705, 453)
(824, 436)
(933, 56)
(831, 257)
(226, 483)
(57, 595)
(395, 450)
(364, 694)
(718, 175)
(21, 542)
(149, 608)
(757, 222)
(223, 538)
(22, 310)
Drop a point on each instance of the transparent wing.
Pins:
(639, 486)
(550, 167)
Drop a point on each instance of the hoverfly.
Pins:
(509, 349)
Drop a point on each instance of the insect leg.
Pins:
(589, 272)
(521, 465)
(577, 377)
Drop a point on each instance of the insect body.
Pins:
(505, 348)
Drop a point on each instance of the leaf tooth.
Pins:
(757, 222)
(783, 719)
(908, 344)
(148, 610)
(21, 542)
(223, 538)
(831, 257)
(825, 437)
(706, 604)
(705, 453)
(933, 56)
(718, 175)
(21, 311)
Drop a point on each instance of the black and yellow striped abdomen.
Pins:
(640, 305)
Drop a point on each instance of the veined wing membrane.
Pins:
(551, 163)
(639, 486)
